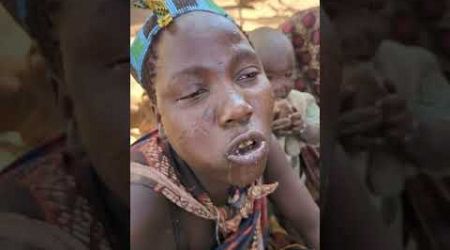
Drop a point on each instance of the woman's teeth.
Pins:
(245, 146)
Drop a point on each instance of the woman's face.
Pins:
(214, 101)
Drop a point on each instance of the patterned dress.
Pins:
(303, 29)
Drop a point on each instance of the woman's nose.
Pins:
(235, 110)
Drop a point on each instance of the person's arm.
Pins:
(150, 225)
(291, 198)
(149, 220)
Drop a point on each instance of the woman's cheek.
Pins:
(187, 129)
(264, 101)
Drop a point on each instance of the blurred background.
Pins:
(28, 111)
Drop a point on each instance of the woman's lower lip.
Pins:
(251, 158)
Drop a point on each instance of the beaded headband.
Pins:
(164, 12)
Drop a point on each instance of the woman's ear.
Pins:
(161, 131)
(155, 112)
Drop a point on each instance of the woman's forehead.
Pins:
(197, 24)
(219, 58)
(202, 39)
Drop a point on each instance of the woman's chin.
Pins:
(245, 176)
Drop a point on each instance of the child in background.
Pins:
(296, 114)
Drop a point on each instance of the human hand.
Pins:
(282, 126)
(298, 124)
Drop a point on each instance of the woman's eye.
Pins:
(193, 95)
(248, 76)
(288, 75)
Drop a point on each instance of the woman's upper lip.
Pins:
(250, 135)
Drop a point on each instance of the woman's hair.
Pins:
(149, 72)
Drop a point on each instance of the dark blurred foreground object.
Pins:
(410, 121)
(443, 42)
(348, 221)
(426, 24)
(427, 212)
(72, 192)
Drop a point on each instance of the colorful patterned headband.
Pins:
(164, 12)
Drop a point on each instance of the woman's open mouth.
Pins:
(247, 149)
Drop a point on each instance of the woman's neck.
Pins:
(218, 191)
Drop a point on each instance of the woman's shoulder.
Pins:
(151, 173)
(147, 202)
(150, 221)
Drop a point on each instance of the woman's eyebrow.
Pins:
(191, 71)
(240, 55)
(243, 55)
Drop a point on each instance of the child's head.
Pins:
(211, 96)
(277, 56)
